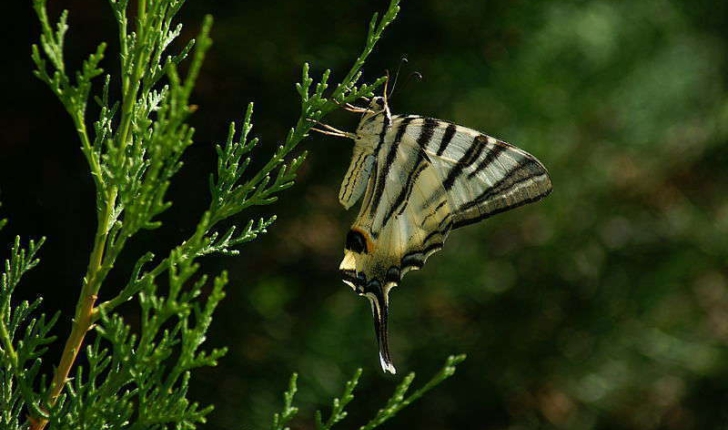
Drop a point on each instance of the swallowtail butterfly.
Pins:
(421, 178)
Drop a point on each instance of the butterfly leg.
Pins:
(356, 109)
(331, 131)
(351, 108)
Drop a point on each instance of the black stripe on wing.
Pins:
(416, 259)
(434, 211)
(469, 157)
(528, 171)
(431, 243)
(446, 138)
(490, 157)
(428, 130)
(403, 198)
(421, 162)
(345, 190)
(383, 171)
(467, 221)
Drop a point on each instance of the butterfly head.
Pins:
(376, 116)
(378, 104)
(359, 271)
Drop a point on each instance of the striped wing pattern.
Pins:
(431, 176)
(424, 177)
(482, 176)
(356, 178)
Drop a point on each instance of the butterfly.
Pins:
(420, 178)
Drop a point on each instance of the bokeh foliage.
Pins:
(603, 306)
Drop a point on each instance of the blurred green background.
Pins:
(605, 306)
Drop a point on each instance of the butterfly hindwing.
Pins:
(405, 213)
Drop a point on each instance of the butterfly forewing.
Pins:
(481, 175)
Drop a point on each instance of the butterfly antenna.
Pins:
(402, 61)
(384, 93)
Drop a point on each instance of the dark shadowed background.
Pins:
(604, 306)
